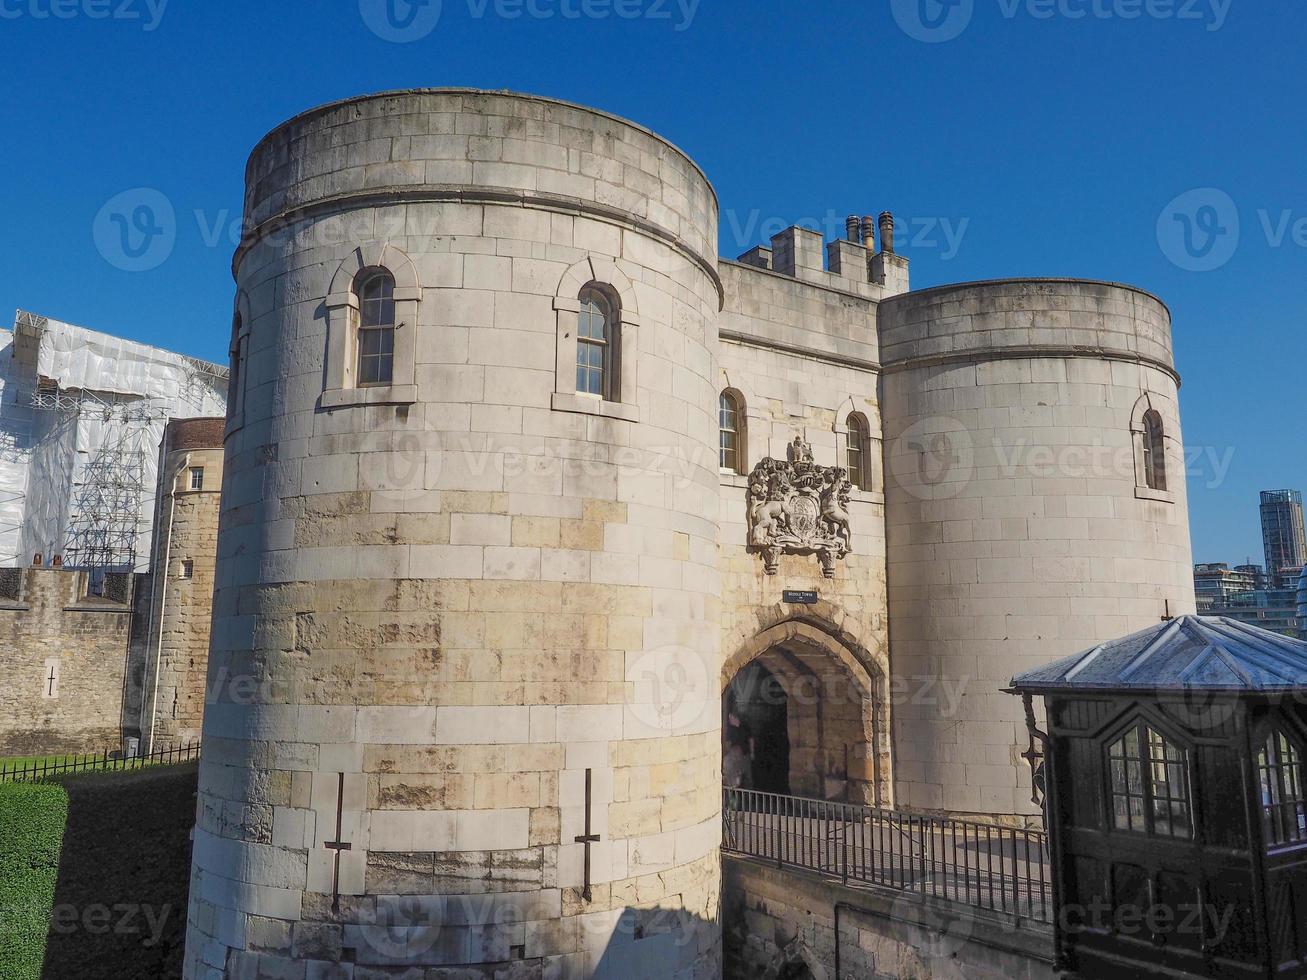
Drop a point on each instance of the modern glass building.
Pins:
(1283, 536)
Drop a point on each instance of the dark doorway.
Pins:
(796, 970)
(755, 731)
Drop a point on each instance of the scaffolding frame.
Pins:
(110, 484)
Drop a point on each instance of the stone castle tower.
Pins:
(511, 500)
(451, 589)
(1019, 517)
(176, 635)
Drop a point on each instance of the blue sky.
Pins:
(1011, 137)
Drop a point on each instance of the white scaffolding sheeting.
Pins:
(82, 416)
(75, 358)
(15, 442)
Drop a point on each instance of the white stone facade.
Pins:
(449, 602)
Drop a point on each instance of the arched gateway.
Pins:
(803, 710)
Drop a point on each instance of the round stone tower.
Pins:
(465, 646)
(181, 583)
(1035, 506)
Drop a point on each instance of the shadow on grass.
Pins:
(124, 872)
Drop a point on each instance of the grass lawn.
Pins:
(32, 820)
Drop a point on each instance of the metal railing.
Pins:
(999, 869)
(65, 765)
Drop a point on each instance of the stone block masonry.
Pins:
(172, 653)
(787, 923)
(63, 655)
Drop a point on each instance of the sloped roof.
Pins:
(1209, 653)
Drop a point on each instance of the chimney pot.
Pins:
(869, 232)
(887, 232)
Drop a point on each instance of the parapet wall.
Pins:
(788, 923)
(1031, 316)
(460, 144)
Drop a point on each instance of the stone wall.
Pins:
(53, 625)
(802, 357)
(781, 924)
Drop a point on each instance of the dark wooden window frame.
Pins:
(1143, 724)
(1262, 735)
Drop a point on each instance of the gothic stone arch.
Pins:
(837, 710)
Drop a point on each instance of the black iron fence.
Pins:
(1000, 869)
(64, 765)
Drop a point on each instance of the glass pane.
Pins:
(1136, 778)
(1136, 812)
(1118, 776)
(589, 381)
(594, 316)
(380, 286)
(1175, 782)
(1162, 818)
(1280, 780)
(1122, 817)
(377, 304)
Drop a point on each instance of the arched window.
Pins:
(239, 354)
(1154, 451)
(596, 346)
(376, 330)
(1149, 784)
(730, 425)
(856, 451)
(1283, 807)
(237, 365)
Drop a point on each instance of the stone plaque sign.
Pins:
(797, 598)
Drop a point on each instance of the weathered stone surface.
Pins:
(52, 625)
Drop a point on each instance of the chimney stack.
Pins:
(851, 228)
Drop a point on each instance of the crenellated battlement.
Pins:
(851, 263)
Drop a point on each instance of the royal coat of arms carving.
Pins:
(799, 508)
